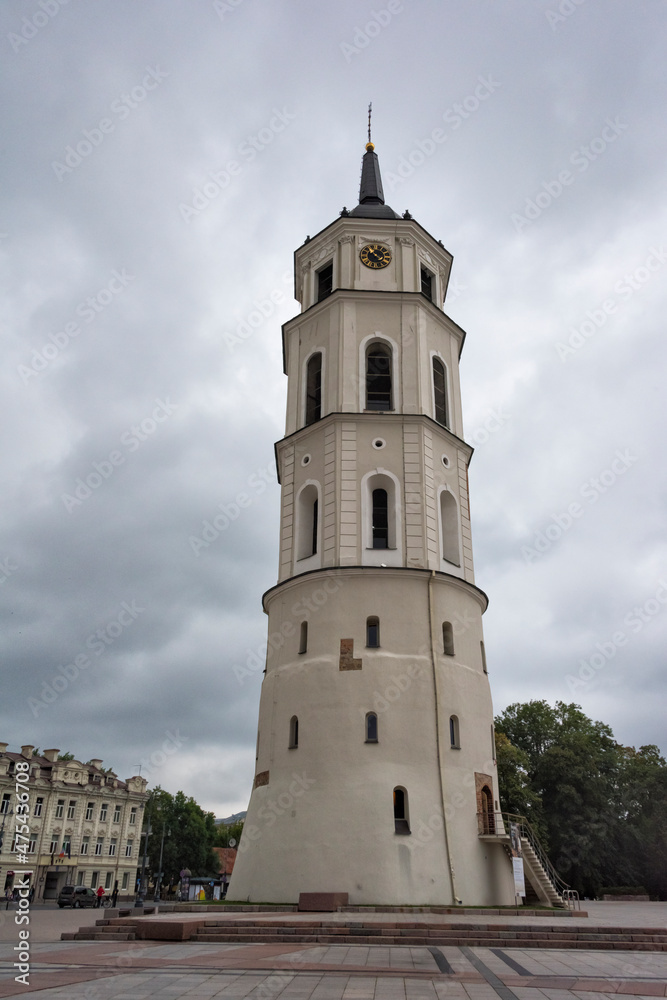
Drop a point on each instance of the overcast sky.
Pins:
(161, 161)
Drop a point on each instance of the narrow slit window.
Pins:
(378, 378)
(448, 638)
(373, 632)
(401, 819)
(293, 733)
(325, 282)
(449, 526)
(380, 519)
(313, 550)
(483, 655)
(314, 389)
(454, 738)
(440, 392)
(371, 728)
(303, 638)
(427, 284)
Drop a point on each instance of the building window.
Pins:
(378, 377)
(67, 846)
(52, 849)
(325, 281)
(103, 812)
(454, 739)
(303, 638)
(308, 513)
(371, 727)
(380, 519)
(448, 638)
(4, 807)
(39, 803)
(293, 733)
(449, 527)
(483, 655)
(80, 878)
(95, 879)
(116, 814)
(108, 880)
(84, 845)
(32, 845)
(401, 817)
(89, 810)
(128, 849)
(133, 815)
(427, 284)
(126, 879)
(112, 847)
(60, 808)
(373, 632)
(99, 845)
(71, 808)
(314, 388)
(440, 392)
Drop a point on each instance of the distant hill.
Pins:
(232, 819)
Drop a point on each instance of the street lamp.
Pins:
(139, 901)
(156, 897)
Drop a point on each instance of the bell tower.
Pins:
(375, 753)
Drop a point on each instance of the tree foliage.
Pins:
(189, 835)
(599, 807)
(224, 832)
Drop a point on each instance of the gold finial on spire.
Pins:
(369, 144)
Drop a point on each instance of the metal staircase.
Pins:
(549, 887)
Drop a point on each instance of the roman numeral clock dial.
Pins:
(375, 255)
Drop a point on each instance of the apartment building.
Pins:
(84, 823)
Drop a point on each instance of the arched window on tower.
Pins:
(293, 733)
(440, 392)
(447, 638)
(373, 632)
(449, 528)
(314, 388)
(454, 736)
(380, 519)
(303, 638)
(401, 815)
(371, 727)
(378, 377)
(308, 518)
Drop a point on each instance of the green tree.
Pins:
(189, 835)
(228, 831)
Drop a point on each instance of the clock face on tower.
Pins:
(375, 255)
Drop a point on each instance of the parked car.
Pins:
(75, 896)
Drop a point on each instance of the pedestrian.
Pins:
(114, 895)
(100, 893)
(31, 894)
(8, 897)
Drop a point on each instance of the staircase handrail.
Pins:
(529, 832)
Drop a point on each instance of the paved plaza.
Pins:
(134, 970)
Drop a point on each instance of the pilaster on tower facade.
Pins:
(375, 750)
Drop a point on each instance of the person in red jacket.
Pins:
(100, 893)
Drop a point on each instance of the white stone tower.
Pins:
(375, 750)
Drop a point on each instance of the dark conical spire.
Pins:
(371, 196)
